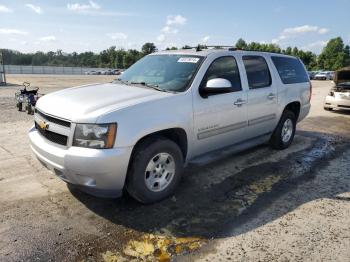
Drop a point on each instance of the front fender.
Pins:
(140, 120)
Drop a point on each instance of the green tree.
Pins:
(333, 56)
(128, 60)
(347, 55)
(295, 51)
(111, 56)
(288, 51)
(241, 44)
(39, 58)
(308, 58)
(148, 48)
(254, 46)
(120, 58)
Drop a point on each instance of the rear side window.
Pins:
(224, 67)
(291, 70)
(258, 72)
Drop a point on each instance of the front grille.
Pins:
(53, 119)
(51, 136)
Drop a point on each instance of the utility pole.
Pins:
(2, 70)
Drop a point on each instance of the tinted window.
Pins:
(258, 73)
(291, 70)
(224, 67)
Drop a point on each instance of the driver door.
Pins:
(220, 119)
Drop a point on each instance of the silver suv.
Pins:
(138, 132)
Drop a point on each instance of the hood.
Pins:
(87, 103)
(342, 75)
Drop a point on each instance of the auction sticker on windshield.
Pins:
(188, 60)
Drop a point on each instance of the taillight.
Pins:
(310, 91)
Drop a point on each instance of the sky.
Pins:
(94, 25)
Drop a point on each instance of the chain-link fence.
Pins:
(52, 70)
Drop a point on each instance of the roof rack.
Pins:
(201, 47)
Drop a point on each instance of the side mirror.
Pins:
(217, 86)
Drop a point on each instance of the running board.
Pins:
(229, 150)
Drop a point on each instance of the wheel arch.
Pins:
(177, 135)
(294, 107)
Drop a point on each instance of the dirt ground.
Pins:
(258, 205)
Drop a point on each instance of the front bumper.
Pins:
(332, 102)
(100, 172)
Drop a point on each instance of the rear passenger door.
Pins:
(262, 95)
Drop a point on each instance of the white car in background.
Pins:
(323, 76)
(339, 95)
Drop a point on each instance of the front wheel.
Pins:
(284, 133)
(155, 170)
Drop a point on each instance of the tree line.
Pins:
(109, 58)
(334, 55)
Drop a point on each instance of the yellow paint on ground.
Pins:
(139, 249)
(161, 248)
(264, 185)
(112, 257)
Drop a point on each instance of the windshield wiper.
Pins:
(155, 87)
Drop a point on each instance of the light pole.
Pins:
(2, 70)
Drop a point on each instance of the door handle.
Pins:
(240, 102)
(271, 96)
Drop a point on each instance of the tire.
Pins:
(19, 105)
(328, 108)
(29, 109)
(148, 155)
(277, 140)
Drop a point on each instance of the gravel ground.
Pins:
(260, 204)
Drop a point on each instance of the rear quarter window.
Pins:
(290, 70)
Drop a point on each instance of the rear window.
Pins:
(291, 70)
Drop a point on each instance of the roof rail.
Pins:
(201, 47)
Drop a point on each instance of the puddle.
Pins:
(152, 247)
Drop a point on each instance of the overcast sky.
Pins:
(81, 25)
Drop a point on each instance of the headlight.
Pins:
(95, 136)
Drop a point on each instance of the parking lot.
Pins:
(260, 204)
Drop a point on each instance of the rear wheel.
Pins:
(284, 132)
(155, 170)
(19, 106)
(29, 109)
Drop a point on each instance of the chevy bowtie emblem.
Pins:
(43, 125)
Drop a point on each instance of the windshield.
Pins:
(166, 72)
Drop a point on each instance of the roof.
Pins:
(206, 52)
